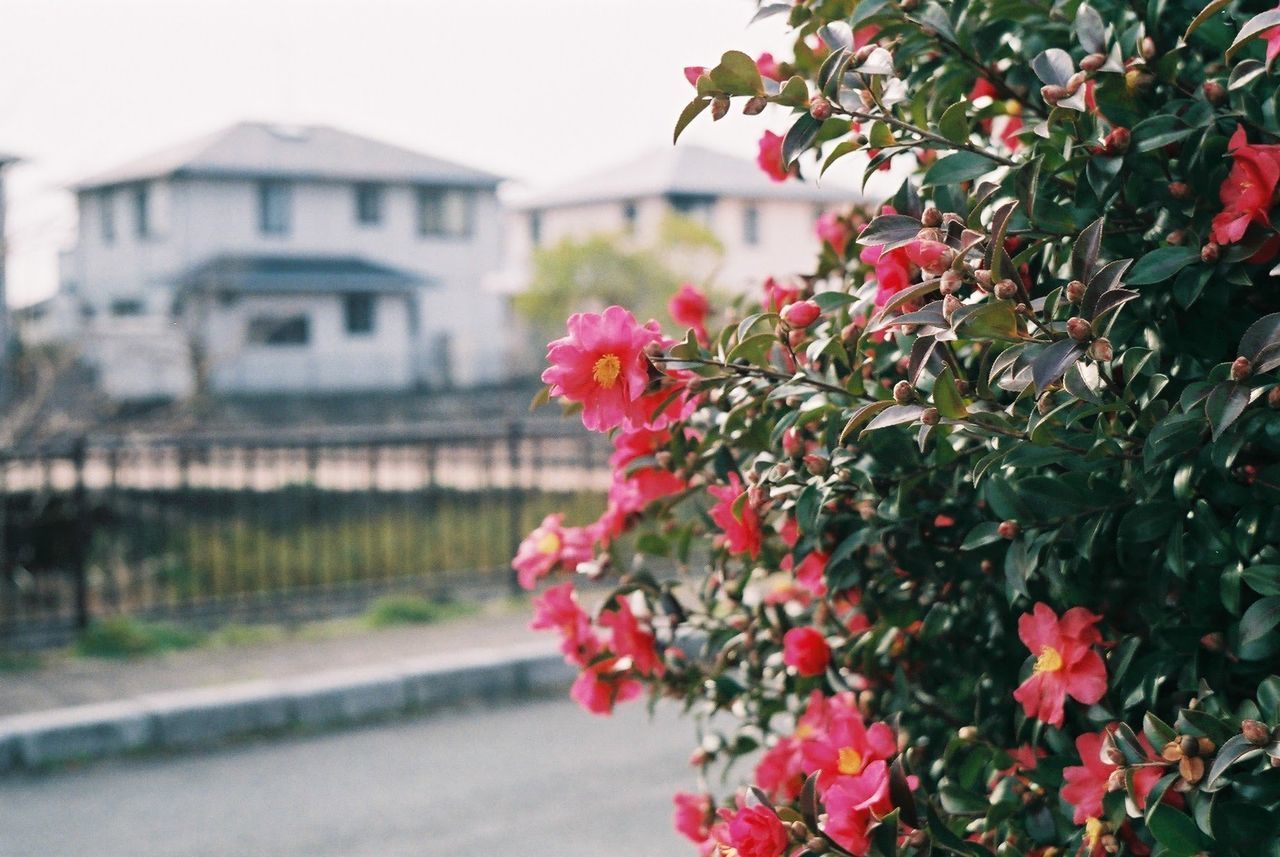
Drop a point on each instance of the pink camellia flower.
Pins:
(741, 529)
(893, 271)
(770, 158)
(1272, 38)
(1065, 663)
(1247, 192)
(602, 365)
(629, 640)
(692, 817)
(688, 306)
(1086, 785)
(852, 804)
(806, 650)
(693, 72)
(558, 610)
(601, 686)
(811, 571)
(801, 314)
(1008, 127)
(933, 257)
(780, 772)
(549, 545)
(847, 746)
(755, 831)
(791, 443)
(777, 295)
(834, 231)
(768, 67)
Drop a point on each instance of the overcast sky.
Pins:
(539, 90)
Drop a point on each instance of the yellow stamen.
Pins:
(606, 371)
(1050, 660)
(549, 543)
(850, 761)
(804, 730)
(1093, 831)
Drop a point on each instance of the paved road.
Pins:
(536, 780)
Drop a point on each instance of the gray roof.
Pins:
(685, 170)
(276, 275)
(316, 152)
(6, 158)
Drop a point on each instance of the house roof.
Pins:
(275, 275)
(684, 169)
(6, 158)
(316, 152)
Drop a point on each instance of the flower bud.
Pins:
(1171, 752)
(1111, 753)
(719, 107)
(756, 496)
(1115, 782)
(816, 464)
(1191, 769)
(950, 281)
(1006, 290)
(903, 393)
(930, 417)
(1255, 732)
(664, 459)
(1176, 237)
(1214, 92)
(863, 54)
(1093, 62)
(1209, 252)
(820, 108)
(817, 845)
(795, 338)
(950, 304)
(1052, 93)
(1100, 349)
(1008, 529)
(1179, 190)
(962, 386)
(850, 332)
(755, 105)
(932, 217)
(1206, 746)
(1076, 81)
(929, 233)
(1273, 398)
(967, 733)
(1074, 291)
(987, 566)
(1147, 48)
(799, 831)
(1117, 142)
(1241, 368)
(791, 444)
(1213, 642)
(1079, 329)
(1189, 746)
(801, 314)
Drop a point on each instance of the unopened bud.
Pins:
(1171, 752)
(816, 845)
(1100, 349)
(1076, 81)
(756, 496)
(1008, 529)
(1176, 237)
(1053, 93)
(950, 304)
(754, 106)
(1191, 769)
(930, 417)
(932, 217)
(950, 281)
(1109, 843)
(1093, 62)
(799, 831)
(1213, 641)
(816, 464)
(1115, 781)
(1079, 329)
(1147, 48)
(820, 108)
(987, 566)
(1241, 368)
(1206, 746)
(983, 278)
(967, 733)
(962, 386)
(801, 313)
(1273, 398)
(1189, 746)
(929, 233)
(1215, 92)
(1117, 142)
(1179, 190)
(1111, 753)
(719, 107)
(863, 54)
(1006, 290)
(664, 459)
(1074, 291)
(1255, 732)
(1209, 252)
(1044, 404)
(903, 393)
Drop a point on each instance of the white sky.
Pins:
(539, 90)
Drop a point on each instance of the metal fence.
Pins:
(211, 529)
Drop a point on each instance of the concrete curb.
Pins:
(204, 717)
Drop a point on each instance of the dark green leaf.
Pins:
(1158, 132)
(690, 112)
(891, 229)
(1161, 264)
(1175, 831)
(894, 415)
(1084, 253)
(1259, 620)
(1228, 754)
(1053, 66)
(946, 396)
(1225, 405)
(1090, 29)
(957, 167)
(1053, 362)
(1253, 28)
(1205, 14)
(737, 74)
(1263, 579)
(954, 123)
(799, 138)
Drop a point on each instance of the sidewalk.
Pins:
(76, 709)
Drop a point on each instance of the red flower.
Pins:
(549, 545)
(806, 650)
(629, 640)
(601, 363)
(933, 257)
(801, 314)
(601, 686)
(742, 534)
(852, 804)
(1086, 786)
(770, 157)
(558, 610)
(1065, 665)
(777, 295)
(810, 572)
(834, 231)
(893, 271)
(688, 307)
(755, 831)
(846, 746)
(1248, 190)
(768, 67)
(692, 818)
(693, 72)
(779, 772)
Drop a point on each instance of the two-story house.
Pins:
(5, 332)
(766, 228)
(269, 258)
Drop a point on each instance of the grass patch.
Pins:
(19, 662)
(392, 610)
(245, 635)
(123, 637)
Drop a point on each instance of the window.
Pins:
(107, 216)
(751, 225)
(444, 212)
(695, 205)
(368, 204)
(274, 204)
(629, 216)
(270, 330)
(127, 306)
(142, 210)
(535, 227)
(358, 311)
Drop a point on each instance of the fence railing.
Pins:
(274, 527)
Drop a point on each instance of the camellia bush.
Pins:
(968, 541)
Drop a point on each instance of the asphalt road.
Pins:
(541, 779)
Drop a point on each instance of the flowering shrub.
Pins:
(975, 529)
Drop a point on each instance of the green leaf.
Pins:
(1175, 831)
(794, 93)
(799, 138)
(954, 123)
(1053, 362)
(1147, 523)
(1253, 28)
(957, 167)
(1159, 131)
(1262, 336)
(1090, 29)
(1224, 406)
(1053, 66)
(1259, 620)
(842, 149)
(690, 112)
(1228, 754)
(894, 415)
(880, 137)
(753, 349)
(1263, 579)
(1205, 14)
(737, 74)
(861, 415)
(946, 396)
(995, 320)
(983, 534)
(1084, 253)
(1159, 265)
(890, 229)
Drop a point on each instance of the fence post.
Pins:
(515, 499)
(82, 531)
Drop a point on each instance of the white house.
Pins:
(267, 258)
(765, 227)
(5, 332)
